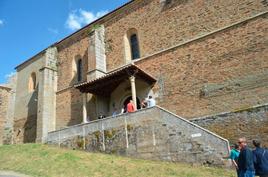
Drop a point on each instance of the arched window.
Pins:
(131, 44)
(79, 70)
(134, 45)
(32, 82)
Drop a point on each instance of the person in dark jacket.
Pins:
(260, 158)
(245, 160)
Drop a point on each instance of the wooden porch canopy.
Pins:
(106, 84)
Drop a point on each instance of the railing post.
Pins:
(103, 136)
(126, 132)
(84, 139)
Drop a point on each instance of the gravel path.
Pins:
(11, 174)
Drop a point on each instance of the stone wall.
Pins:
(4, 102)
(152, 133)
(251, 123)
(26, 102)
(8, 127)
(224, 71)
(46, 116)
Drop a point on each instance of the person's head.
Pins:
(256, 143)
(242, 142)
(131, 101)
(150, 97)
(236, 146)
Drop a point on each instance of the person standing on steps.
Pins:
(130, 106)
(260, 158)
(245, 160)
(114, 112)
(234, 154)
(151, 102)
(143, 104)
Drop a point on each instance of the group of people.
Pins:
(149, 102)
(146, 103)
(247, 162)
(130, 107)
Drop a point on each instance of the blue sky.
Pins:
(29, 26)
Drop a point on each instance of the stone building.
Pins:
(206, 61)
(7, 101)
(4, 96)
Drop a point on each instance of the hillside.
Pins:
(41, 160)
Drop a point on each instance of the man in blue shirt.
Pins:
(260, 157)
(245, 160)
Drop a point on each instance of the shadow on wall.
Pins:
(76, 99)
(76, 103)
(30, 125)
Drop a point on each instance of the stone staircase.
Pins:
(152, 133)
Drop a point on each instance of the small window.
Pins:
(135, 52)
(79, 70)
(131, 45)
(32, 82)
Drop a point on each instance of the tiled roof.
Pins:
(113, 78)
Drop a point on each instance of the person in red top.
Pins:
(130, 106)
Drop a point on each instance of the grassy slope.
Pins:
(42, 160)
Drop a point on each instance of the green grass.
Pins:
(41, 160)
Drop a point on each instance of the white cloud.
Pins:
(79, 18)
(1, 22)
(7, 76)
(54, 31)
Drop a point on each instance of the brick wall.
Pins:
(224, 71)
(67, 53)
(69, 108)
(69, 101)
(160, 28)
(229, 57)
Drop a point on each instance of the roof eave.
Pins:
(121, 73)
(76, 32)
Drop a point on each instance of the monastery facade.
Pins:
(197, 58)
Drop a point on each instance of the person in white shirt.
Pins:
(151, 102)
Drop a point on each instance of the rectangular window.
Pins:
(135, 51)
